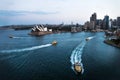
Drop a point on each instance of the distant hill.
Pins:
(17, 27)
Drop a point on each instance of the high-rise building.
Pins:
(86, 25)
(110, 24)
(114, 23)
(93, 20)
(93, 17)
(106, 22)
(118, 22)
(92, 25)
(99, 23)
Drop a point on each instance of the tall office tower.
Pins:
(114, 23)
(93, 19)
(106, 22)
(118, 22)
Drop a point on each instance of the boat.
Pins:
(11, 36)
(78, 68)
(87, 39)
(54, 42)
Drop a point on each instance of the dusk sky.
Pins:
(55, 11)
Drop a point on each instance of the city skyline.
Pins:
(55, 12)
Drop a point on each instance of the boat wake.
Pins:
(14, 37)
(91, 37)
(26, 49)
(77, 54)
(18, 37)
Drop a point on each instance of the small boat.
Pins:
(11, 36)
(54, 42)
(87, 39)
(78, 68)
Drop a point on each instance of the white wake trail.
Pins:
(77, 54)
(91, 37)
(26, 49)
(15, 37)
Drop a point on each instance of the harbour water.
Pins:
(26, 57)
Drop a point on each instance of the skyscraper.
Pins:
(93, 20)
(93, 17)
(114, 23)
(118, 22)
(106, 22)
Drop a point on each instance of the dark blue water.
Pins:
(26, 57)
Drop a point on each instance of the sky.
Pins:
(17, 12)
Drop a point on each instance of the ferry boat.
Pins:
(78, 68)
(54, 42)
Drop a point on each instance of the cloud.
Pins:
(18, 13)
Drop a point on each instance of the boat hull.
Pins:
(54, 43)
(78, 68)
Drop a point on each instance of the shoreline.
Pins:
(109, 42)
(40, 33)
